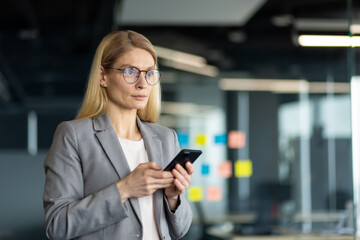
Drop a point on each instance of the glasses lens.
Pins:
(131, 74)
(152, 76)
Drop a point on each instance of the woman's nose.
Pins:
(142, 81)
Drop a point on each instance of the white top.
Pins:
(135, 154)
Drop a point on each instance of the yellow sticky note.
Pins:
(243, 168)
(225, 169)
(195, 194)
(200, 140)
(213, 194)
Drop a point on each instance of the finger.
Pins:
(190, 168)
(180, 169)
(183, 172)
(153, 181)
(179, 186)
(184, 180)
(159, 174)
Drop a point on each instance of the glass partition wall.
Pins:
(277, 147)
(354, 70)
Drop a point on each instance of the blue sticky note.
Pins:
(183, 139)
(221, 139)
(205, 169)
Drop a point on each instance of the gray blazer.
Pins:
(81, 200)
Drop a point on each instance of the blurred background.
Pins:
(261, 86)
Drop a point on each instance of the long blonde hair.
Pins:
(114, 45)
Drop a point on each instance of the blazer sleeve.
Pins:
(179, 221)
(68, 213)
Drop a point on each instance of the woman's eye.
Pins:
(129, 71)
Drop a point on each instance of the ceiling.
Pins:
(46, 47)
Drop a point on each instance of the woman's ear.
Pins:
(102, 77)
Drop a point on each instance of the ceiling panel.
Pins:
(187, 12)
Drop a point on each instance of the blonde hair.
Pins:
(114, 45)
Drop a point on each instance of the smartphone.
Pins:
(184, 156)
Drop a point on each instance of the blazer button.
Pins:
(164, 237)
(137, 235)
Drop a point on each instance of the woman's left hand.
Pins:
(181, 183)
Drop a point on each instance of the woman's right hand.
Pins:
(144, 181)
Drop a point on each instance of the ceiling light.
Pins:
(321, 24)
(180, 57)
(280, 85)
(185, 61)
(355, 29)
(237, 36)
(283, 20)
(328, 41)
(207, 70)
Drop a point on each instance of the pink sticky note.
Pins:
(236, 139)
(225, 169)
(213, 194)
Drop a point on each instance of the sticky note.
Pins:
(200, 140)
(183, 138)
(195, 194)
(243, 168)
(220, 139)
(225, 169)
(236, 139)
(205, 169)
(213, 194)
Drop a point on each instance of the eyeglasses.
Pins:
(132, 74)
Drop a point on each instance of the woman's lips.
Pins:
(139, 97)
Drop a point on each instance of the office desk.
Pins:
(294, 237)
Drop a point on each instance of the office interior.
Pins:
(274, 113)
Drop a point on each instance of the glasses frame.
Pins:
(140, 71)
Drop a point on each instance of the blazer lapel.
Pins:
(152, 143)
(110, 143)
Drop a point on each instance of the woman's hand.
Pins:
(144, 181)
(181, 183)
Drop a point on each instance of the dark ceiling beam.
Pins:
(28, 11)
(103, 23)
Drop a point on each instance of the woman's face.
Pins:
(123, 95)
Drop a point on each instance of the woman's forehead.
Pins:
(136, 57)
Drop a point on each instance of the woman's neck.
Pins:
(124, 123)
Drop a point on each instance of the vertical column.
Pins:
(354, 73)
(32, 141)
(355, 119)
(305, 173)
(237, 112)
(331, 143)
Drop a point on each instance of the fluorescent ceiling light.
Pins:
(282, 85)
(180, 57)
(321, 24)
(355, 29)
(325, 25)
(207, 70)
(328, 41)
(185, 61)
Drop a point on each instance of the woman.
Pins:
(104, 177)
